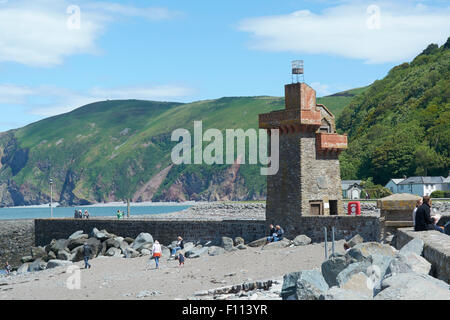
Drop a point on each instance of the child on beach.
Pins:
(8, 267)
(180, 259)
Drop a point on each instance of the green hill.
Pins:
(400, 125)
(112, 150)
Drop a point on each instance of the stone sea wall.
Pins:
(16, 239)
(436, 249)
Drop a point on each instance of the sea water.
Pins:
(100, 211)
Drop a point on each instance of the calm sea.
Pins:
(62, 212)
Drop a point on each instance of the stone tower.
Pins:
(308, 181)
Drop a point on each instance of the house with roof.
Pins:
(351, 189)
(423, 186)
(393, 185)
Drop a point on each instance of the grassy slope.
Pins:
(400, 125)
(114, 147)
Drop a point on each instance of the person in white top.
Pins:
(418, 204)
(156, 252)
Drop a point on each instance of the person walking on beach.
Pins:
(179, 246)
(180, 259)
(8, 267)
(156, 252)
(86, 252)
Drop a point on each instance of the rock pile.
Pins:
(63, 252)
(368, 270)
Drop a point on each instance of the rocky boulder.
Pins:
(331, 269)
(277, 245)
(73, 243)
(131, 253)
(258, 243)
(336, 293)
(238, 241)
(95, 233)
(26, 259)
(215, 251)
(78, 235)
(23, 268)
(56, 245)
(196, 252)
(38, 252)
(369, 248)
(63, 255)
(54, 263)
(241, 246)
(113, 252)
(37, 265)
(303, 285)
(415, 246)
(355, 241)
(409, 262)
(413, 286)
(360, 283)
(142, 239)
(351, 270)
(227, 244)
(301, 240)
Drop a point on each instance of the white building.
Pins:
(422, 186)
(351, 189)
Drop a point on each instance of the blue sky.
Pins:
(57, 55)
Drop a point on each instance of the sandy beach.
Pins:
(114, 278)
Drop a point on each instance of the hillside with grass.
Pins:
(400, 125)
(115, 150)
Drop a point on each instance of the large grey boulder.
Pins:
(50, 256)
(409, 262)
(258, 243)
(73, 243)
(128, 240)
(350, 270)
(303, 285)
(165, 251)
(113, 252)
(415, 246)
(355, 241)
(336, 293)
(145, 252)
(411, 278)
(141, 240)
(131, 253)
(377, 271)
(227, 244)
(38, 252)
(63, 255)
(215, 251)
(78, 235)
(37, 265)
(360, 283)
(56, 245)
(95, 233)
(241, 246)
(196, 252)
(238, 241)
(112, 243)
(23, 268)
(413, 286)
(369, 248)
(58, 263)
(26, 259)
(301, 240)
(277, 245)
(331, 269)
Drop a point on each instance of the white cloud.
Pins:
(321, 89)
(353, 30)
(35, 33)
(49, 100)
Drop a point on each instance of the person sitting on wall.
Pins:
(424, 221)
(418, 204)
(272, 233)
(277, 236)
